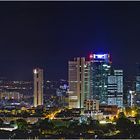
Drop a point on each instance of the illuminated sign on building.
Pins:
(101, 56)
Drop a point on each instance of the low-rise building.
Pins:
(91, 105)
(10, 95)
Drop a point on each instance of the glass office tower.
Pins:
(99, 71)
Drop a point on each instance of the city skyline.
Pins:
(69, 70)
(49, 34)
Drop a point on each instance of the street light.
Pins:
(133, 113)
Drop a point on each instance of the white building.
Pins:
(78, 82)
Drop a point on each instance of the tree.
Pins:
(19, 134)
(84, 128)
(137, 119)
(12, 123)
(136, 130)
(22, 124)
(121, 115)
(124, 125)
(73, 127)
(1, 122)
(62, 130)
(108, 128)
(46, 125)
(25, 114)
(128, 111)
(94, 124)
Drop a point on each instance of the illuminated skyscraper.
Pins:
(99, 70)
(78, 82)
(138, 78)
(137, 87)
(93, 80)
(115, 88)
(131, 98)
(38, 87)
(119, 78)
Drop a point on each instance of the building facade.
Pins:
(78, 78)
(100, 65)
(131, 98)
(115, 88)
(10, 95)
(94, 79)
(38, 87)
(137, 84)
(91, 105)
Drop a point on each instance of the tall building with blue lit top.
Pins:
(100, 66)
(94, 80)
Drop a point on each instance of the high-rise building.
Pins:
(138, 78)
(78, 82)
(137, 87)
(100, 66)
(94, 80)
(112, 84)
(115, 88)
(87, 81)
(119, 80)
(131, 98)
(129, 85)
(38, 87)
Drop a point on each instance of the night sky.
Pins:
(48, 34)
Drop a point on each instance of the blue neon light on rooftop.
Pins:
(100, 56)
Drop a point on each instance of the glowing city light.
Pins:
(100, 56)
(103, 122)
(91, 56)
(35, 71)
